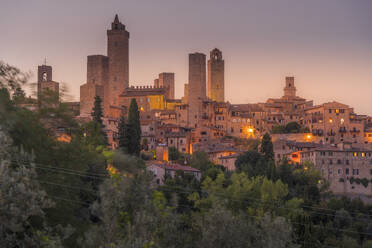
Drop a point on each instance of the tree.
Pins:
(95, 129)
(22, 201)
(97, 113)
(173, 153)
(124, 139)
(267, 147)
(293, 127)
(134, 129)
(11, 78)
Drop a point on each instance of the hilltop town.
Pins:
(134, 166)
(331, 135)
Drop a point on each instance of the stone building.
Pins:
(118, 53)
(166, 81)
(97, 82)
(196, 87)
(45, 81)
(347, 167)
(216, 76)
(107, 76)
(334, 123)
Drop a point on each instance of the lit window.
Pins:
(355, 154)
(363, 154)
(330, 120)
(342, 121)
(337, 111)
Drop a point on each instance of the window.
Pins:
(330, 111)
(347, 162)
(330, 153)
(355, 154)
(342, 121)
(370, 172)
(338, 171)
(330, 172)
(323, 162)
(339, 161)
(330, 161)
(347, 171)
(355, 171)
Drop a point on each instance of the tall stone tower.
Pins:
(118, 53)
(196, 86)
(166, 80)
(216, 76)
(45, 81)
(289, 89)
(44, 74)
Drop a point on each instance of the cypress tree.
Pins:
(97, 113)
(134, 128)
(123, 129)
(267, 148)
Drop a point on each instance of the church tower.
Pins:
(118, 53)
(216, 76)
(289, 89)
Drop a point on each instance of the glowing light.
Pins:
(142, 109)
(330, 120)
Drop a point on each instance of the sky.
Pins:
(325, 44)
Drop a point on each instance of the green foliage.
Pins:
(267, 148)
(124, 139)
(135, 128)
(255, 164)
(130, 132)
(199, 160)
(97, 112)
(291, 127)
(173, 153)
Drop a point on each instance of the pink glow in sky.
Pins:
(325, 44)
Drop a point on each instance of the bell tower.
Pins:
(118, 53)
(216, 76)
(289, 89)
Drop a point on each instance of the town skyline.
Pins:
(247, 80)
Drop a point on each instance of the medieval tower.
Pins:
(118, 54)
(45, 80)
(196, 86)
(289, 89)
(107, 76)
(166, 80)
(216, 76)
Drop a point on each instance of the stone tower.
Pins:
(216, 76)
(45, 81)
(196, 86)
(166, 80)
(289, 89)
(97, 81)
(118, 53)
(44, 74)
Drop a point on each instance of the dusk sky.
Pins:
(325, 44)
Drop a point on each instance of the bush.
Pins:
(365, 182)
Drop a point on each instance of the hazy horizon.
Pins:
(325, 44)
